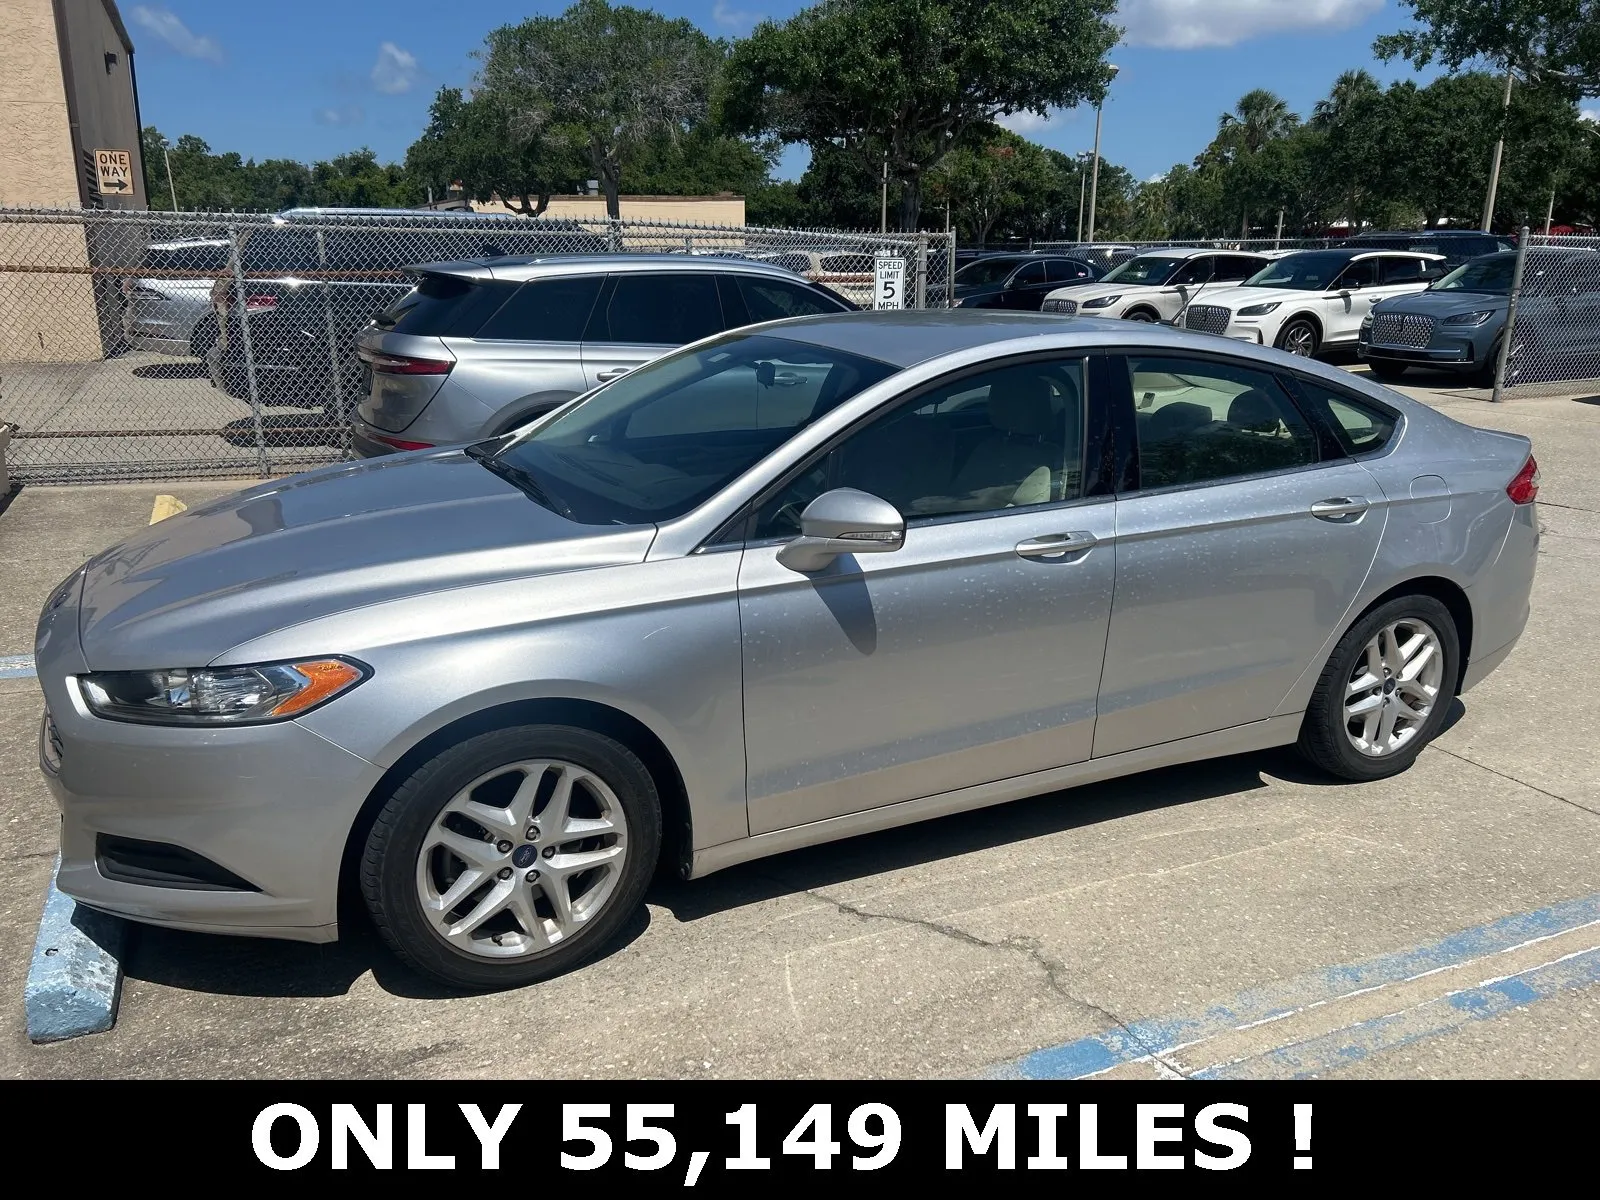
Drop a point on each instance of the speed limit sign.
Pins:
(888, 280)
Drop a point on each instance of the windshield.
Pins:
(1147, 268)
(1490, 275)
(669, 435)
(987, 271)
(1312, 271)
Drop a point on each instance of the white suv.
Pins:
(1312, 300)
(1156, 285)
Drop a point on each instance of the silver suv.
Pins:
(479, 347)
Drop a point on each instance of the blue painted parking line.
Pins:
(16, 666)
(75, 978)
(1150, 1041)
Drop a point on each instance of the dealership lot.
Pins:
(1440, 923)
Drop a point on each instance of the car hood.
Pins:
(185, 591)
(1242, 297)
(1092, 291)
(1442, 304)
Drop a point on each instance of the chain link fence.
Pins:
(1551, 344)
(159, 346)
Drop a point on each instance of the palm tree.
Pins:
(1258, 118)
(1349, 89)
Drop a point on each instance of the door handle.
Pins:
(1056, 545)
(1341, 508)
(613, 373)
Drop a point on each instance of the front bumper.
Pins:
(271, 804)
(1441, 354)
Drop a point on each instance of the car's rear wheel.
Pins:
(1299, 337)
(1385, 691)
(513, 856)
(1386, 368)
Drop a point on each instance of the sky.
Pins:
(308, 79)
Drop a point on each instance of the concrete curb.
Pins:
(75, 978)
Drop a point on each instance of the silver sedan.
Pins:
(786, 585)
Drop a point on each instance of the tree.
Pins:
(1345, 100)
(1550, 42)
(1258, 119)
(908, 78)
(604, 80)
(472, 142)
(1000, 178)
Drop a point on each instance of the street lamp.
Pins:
(1083, 186)
(1094, 179)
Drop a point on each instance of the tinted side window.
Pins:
(546, 310)
(280, 250)
(1061, 270)
(443, 306)
(1401, 268)
(1032, 273)
(1361, 273)
(1201, 422)
(1006, 438)
(1231, 267)
(1359, 427)
(772, 299)
(1196, 270)
(660, 310)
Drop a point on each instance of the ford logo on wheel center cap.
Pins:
(525, 855)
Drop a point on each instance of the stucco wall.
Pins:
(697, 210)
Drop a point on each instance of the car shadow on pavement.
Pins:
(286, 431)
(172, 370)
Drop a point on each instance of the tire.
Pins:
(1299, 337)
(1326, 738)
(1140, 314)
(1483, 375)
(1386, 368)
(409, 855)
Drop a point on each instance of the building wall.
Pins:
(104, 101)
(697, 210)
(36, 155)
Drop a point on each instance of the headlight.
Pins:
(1259, 310)
(219, 695)
(1471, 319)
(1101, 302)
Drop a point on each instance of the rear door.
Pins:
(1245, 540)
(639, 317)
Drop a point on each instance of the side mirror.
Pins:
(843, 521)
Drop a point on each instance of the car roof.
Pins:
(1194, 252)
(520, 268)
(1351, 253)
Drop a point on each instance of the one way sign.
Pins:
(114, 172)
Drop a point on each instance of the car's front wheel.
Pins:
(1299, 337)
(1385, 691)
(1141, 314)
(513, 856)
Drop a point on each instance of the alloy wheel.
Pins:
(1300, 340)
(1394, 687)
(522, 858)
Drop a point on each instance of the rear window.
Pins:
(197, 256)
(443, 306)
(1359, 427)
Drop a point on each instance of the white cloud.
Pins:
(350, 114)
(395, 71)
(1027, 123)
(727, 15)
(1191, 24)
(1590, 114)
(163, 25)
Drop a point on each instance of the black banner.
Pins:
(710, 1134)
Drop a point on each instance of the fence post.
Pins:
(340, 416)
(1511, 319)
(950, 272)
(614, 234)
(922, 270)
(241, 299)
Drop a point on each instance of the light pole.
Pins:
(1083, 187)
(883, 202)
(1494, 166)
(166, 157)
(1094, 179)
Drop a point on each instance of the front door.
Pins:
(640, 317)
(970, 654)
(1240, 552)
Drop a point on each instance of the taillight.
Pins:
(1524, 486)
(401, 443)
(406, 364)
(257, 304)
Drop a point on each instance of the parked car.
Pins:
(701, 617)
(1312, 300)
(1156, 285)
(315, 276)
(1017, 281)
(479, 348)
(1458, 324)
(171, 294)
(1455, 246)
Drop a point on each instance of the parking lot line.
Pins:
(1571, 927)
(16, 666)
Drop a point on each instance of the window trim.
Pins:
(737, 529)
(1329, 451)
